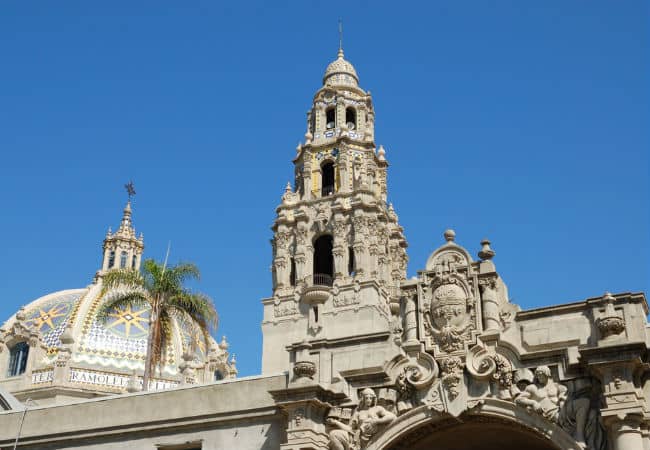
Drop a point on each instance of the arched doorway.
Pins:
(494, 425)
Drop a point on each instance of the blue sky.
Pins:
(523, 122)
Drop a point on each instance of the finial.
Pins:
(381, 153)
(340, 39)
(486, 253)
(233, 359)
(450, 235)
(298, 147)
(223, 345)
(288, 187)
(609, 297)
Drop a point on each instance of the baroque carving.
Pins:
(448, 321)
(451, 369)
(610, 323)
(368, 419)
(543, 396)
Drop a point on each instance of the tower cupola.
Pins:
(122, 249)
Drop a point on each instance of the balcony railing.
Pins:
(323, 279)
(327, 190)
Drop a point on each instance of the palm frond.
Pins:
(198, 306)
(118, 300)
(183, 272)
(127, 278)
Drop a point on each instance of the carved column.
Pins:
(281, 261)
(339, 250)
(625, 432)
(302, 232)
(359, 245)
(306, 174)
(490, 303)
(410, 319)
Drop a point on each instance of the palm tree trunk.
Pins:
(149, 356)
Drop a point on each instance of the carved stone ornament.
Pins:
(452, 375)
(544, 396)
(367, 420)
(610, 323)
(304, 370)
(449, 321)
(483, 364)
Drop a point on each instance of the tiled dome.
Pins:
(340, 72)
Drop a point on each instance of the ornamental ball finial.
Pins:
(450, 235)
(486, 253)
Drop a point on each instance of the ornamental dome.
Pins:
(57, 344)
(340, 72)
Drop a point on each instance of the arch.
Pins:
(351, 118)
(327, 179)
(330, 118)
(123, 257)
(323, 260)
(491, 420)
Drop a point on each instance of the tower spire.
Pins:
(340, 55)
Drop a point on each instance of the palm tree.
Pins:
(160, 289)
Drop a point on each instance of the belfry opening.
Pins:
(323, 260)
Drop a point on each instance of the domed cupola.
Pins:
(340, 72)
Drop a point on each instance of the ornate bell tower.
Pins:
(338, 250)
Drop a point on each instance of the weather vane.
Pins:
(130, 189)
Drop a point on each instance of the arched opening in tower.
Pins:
(351, 118)
(330, 119)
(323, 261)
(327, 178)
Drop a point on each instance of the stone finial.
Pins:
(450, 235)
(233, 360)
(223, 345)
(21, 315)
(381, 153)
(486, 253)
(610, 323)
(308, 137)
(299, 146)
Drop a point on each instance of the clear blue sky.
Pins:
(525, 122)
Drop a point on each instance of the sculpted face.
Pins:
(368, 399)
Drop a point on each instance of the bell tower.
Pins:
(339, 254)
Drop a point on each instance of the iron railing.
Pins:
(323, 279)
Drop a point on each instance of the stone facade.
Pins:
(357, 356)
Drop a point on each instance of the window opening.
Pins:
(351, 118)
(123, 257)
(111, 259)
(327, 179)
(292, 273)
(133, 262)
(18, 359)
(352, 264)
(323, 261)
(218, 375)
(330, 119)
(315, 308)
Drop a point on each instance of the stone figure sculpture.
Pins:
(366, 421)
(544, 396)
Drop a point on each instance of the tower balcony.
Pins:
(319, 287)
